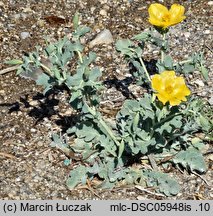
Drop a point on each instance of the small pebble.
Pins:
(33, 103)
(92, 9)
(142, 198)
(199, 83)
(33, 130)
(211, 100)
(27, 10)
(104, 37)
(25, 35)
(207, 31)
(40, 143)
(187, 34)
(210, 3)
(17, 16)
(103, 12)
(18, 179)
(40, 23)
(103, 1)
(2, 92)
(210, 157)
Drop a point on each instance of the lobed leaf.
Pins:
(14, 62)
(125, 47)
(77, 176)
(162, 182)
(191, 159)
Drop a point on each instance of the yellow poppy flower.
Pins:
(170, 88)
(161, 17)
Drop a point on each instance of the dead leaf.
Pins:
(55, 20)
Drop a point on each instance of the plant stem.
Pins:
(208, 138)
(179, 135)
(162, 51)
(109, 131)
(94, 111)
(166, 119)
(183, 62)
(102, 123)
(46, 69)
(144, 67)
(80, 56)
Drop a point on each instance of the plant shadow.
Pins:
(44, 106)
(121, 85)
(151, 69)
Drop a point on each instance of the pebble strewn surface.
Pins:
(30, 169)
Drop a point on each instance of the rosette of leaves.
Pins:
(143, 126)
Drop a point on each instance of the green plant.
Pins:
(143, 127)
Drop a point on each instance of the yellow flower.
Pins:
(170, 88)
(161, 17)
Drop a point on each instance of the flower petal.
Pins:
(157, 22)
(157, 82)
(169, 74)
(176, 10)
(177, 14)
(174, 102)
(156, 14)
(160, 16)
(162, 98)
(170, 88)
(157, 11)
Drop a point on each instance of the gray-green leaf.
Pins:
(191, 159)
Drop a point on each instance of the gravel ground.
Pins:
(30, 169)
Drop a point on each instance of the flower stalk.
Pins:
(80, 56)
(144, 67)
(162, 50)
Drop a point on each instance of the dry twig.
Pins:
(90, 189)
(6, 70)
(200, 177)
(209, 48)
(147, 191)
(3, 154)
